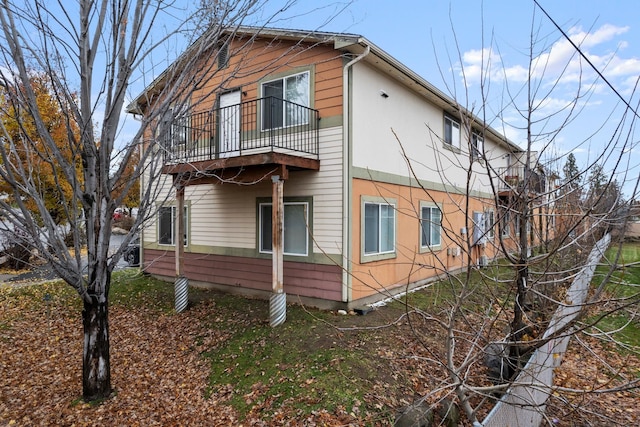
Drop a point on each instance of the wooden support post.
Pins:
(277, 221)
(278, 300)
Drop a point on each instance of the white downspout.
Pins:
(346, 178)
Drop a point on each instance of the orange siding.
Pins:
(248, 65)
(409, 265)
(263, 59)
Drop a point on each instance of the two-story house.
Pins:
(326, 168)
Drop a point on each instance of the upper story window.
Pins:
(477, 146)
(175, 125)
(286, 101)
(451, 132)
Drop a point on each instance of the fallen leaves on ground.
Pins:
(161, 379)
(158, 377)
(599, 375)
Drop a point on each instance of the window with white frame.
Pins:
(295, 237)
(430, 226)
(477, 146)
(181, 129)
(167, 225)
(379, 228)
(451, 132)
(505, 221)
(479, 234)
(489, 223)
(286, 101)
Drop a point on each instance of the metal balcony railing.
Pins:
(510, 178)
(252, 127)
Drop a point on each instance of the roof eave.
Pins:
(391, 66)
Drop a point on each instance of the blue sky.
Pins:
(442, 39)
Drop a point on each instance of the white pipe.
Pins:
(346, 178)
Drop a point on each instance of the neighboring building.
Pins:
(631, 230)
(385, 181)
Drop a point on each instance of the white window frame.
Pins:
(181, 129)
(489, 224)
(172, 232)
(301, 119)
(477, 146)
(261, 223)
(388, 205)
(506, 221)
(451, 132)
(174, 128)
(479, 233)
(431, 244)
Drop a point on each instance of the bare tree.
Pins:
(93, 56)
(545, 228)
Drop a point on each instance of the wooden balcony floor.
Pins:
(241, 168)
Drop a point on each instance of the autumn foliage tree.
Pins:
(41, 167)
(127, 187)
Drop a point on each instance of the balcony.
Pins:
(264, 131)
(512, 179)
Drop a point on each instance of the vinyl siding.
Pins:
(262, 59)
(224, 215)
(386, 129)
(409, 264)
(325, 187)
(232, 272)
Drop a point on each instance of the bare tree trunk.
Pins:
(96, 367)
(518, 325)
(110, 44)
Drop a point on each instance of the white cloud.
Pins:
(603, 34)
(551, 104)
(516, 73)
(630, 85)
(561, 63)
(479, 61)
(623, 67)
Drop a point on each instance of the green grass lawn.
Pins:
(303, 365)
(623, 290)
